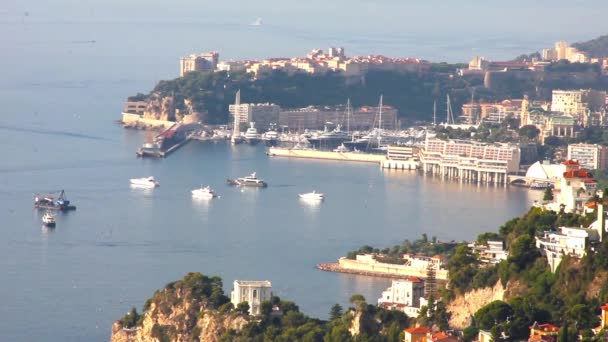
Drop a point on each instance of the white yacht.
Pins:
(205, 193)
(145, 182)
(250, 180)
(271, 137)
(48, 219)
(315, 196)
(251, 136)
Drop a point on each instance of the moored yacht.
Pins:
(251, 135)
(205, 193)
(271, 137)
(48, 219)
(250, 180)
(145, 182)
(314, 196)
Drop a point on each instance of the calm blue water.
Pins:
(59, 95)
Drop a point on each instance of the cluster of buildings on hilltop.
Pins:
(563, 51)
(315, 62)
(499, 75)
(314, 117)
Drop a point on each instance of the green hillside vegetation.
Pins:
(412, 94)
(570, 295)
(597, 47)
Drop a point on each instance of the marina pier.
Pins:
(327, 155)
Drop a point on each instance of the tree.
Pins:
(529, 131)
(243, 308)
(358, 300)
(266, 308)
(548, 196)
(563, 333)
(335, 312)
(488, 316)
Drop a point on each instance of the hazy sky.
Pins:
(544, 16)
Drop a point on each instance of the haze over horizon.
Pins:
(476, 26)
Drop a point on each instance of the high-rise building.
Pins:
(263, 114)
(253, 292)
(577, 103)
(589, 156)
(201, 62)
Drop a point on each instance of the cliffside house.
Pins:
(406, 295)
(543, 332)
(571, 241)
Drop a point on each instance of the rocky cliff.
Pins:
(186, 310)
(209, 326)
(463, 307)
(160, 108)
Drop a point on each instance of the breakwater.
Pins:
(378, 269)
(328, 155)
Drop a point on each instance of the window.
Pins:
(255, 293)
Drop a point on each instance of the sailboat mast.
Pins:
(348, 115)
(434, 112)
(380, 114)
(447, 109)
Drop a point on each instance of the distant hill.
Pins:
(597, 47)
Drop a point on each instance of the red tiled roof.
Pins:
(439, 336)
(580, 173)
(546, 327)
(604, 307)
(418, 330)
(571, 162)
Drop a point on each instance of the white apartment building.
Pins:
(406, 295)
(589, 156)
(470, 160)
(198, 62)
(263, 114)
(231, 66)
(253, 292)
(492, 252)
(570, 241)
(577, 103)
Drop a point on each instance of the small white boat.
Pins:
(145, 182)
(48, 219)
(315, 196)
(205, 193)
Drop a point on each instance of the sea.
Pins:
(66, 68)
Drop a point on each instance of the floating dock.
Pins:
(327, 155)
(168, 141)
